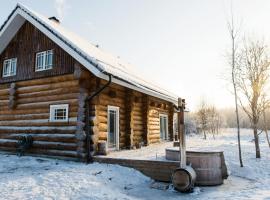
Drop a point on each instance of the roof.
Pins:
(96, 60)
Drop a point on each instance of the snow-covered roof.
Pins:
(93, 58)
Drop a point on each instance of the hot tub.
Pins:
(209, 166)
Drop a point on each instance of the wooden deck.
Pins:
(155, 169)
(161, 170)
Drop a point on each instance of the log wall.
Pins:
(139, 116)
(25, 100)
(155, 108)
(114, 95)
(30, 115)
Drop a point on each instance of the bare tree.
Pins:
(233, 35)
(202, 117)
(253, 69)
(265, 127)
(214, 120)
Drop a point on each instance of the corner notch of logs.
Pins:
(12, 96)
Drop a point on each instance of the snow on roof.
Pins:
(93, 58)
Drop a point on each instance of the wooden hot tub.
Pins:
(209, 166)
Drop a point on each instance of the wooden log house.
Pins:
(69, 94)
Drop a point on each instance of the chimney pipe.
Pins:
(54, 19)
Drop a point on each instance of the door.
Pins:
(113, 128)
(163, 122)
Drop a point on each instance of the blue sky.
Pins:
(178, 44)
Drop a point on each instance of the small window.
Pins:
(44, 60)
(59, 113)
(9, 67)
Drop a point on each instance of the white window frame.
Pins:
(167, 126)
(9, 71)
(55, 107)
(113, 108)
(45, 65)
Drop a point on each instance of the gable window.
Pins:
(59, 113)
(44, 60)
(9, 67)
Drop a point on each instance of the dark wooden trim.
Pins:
(26, 43)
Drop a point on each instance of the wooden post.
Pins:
(171, 114)
(181, 133)
(183, 178)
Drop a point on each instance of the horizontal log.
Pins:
(153, 119)
(50, 80)
(113, 86)
(4, 97)
(153, 127)
(72, 108)
(152, 132)
(138, 118)
(4, 92)
(38, 88)
(138, 109)
(8, 143)
(31, 123)
(137, 113)
(137, 128)
(30, 116)
(71, 102)
(102, 119)
(68, 138)
(152, 141)
(57, 91)
(138, 134)
(54, 145)
(38, 130)
(138, 123)
(153, 123)
(57, 97)
(103, 127)
(154, 137)
(102, 135)
(53, 152)
(4, 102)
(138, 104)
(113, 101)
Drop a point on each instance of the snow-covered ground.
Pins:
(39, 178)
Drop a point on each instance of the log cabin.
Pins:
(70, 95)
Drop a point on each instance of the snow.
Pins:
(41, 178)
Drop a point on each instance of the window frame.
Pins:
(44, 55)
(10, 61)
(53, 108)
(161, 115)
(117, 127)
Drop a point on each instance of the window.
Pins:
(59, 113)
(44, 60)
(9, 67)
(163, 122)
(113, 128)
